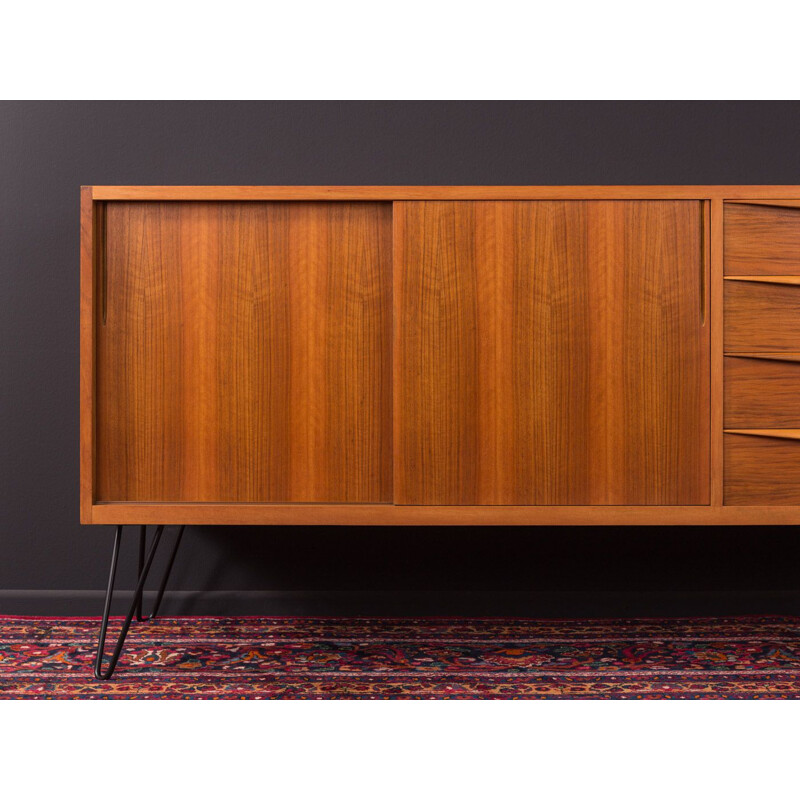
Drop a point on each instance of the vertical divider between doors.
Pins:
(397, 233)
(715, 208)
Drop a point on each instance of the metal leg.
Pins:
(142, 542)
(98, 663)
(164, 579)
(136, 603)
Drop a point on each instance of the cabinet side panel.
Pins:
(91, 243)
(246, 353)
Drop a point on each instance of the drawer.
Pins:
(762, 470)
(762, 392)
(760, 317)
(761, 239)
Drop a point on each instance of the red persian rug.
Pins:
(298, 658)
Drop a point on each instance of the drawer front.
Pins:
(760, 317)
(762, 392)
(762, 240)
(761, 470)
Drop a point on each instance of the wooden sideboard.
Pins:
(456, 355)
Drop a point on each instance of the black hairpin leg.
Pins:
(136, 604)
(164, 579)
(142, 543)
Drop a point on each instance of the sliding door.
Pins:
(243, 353)
(550, 353)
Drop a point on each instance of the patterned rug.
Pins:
(297, 658)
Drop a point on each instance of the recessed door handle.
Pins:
(767, 433)
(786, 280)
(789, 356)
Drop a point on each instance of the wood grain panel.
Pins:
(654, 320)
(761, 470)
(762, 392)
(550, 353)
(547, 413)
(760, 317)
(761, 239)
(436, 361)
(246, 354)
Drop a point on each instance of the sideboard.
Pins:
(440, 355)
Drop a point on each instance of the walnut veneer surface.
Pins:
(440, 355)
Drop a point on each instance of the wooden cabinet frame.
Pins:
(93, 200)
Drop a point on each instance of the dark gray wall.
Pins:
(50, 564)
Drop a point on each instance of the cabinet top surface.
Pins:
(389, 193)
